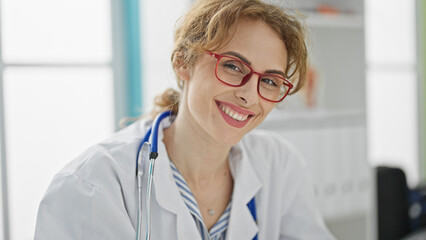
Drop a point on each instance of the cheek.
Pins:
(267, 108)
(204, 85)
(200, 93)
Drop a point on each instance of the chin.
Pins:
(231, 142)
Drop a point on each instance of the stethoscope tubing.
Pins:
(153, 154)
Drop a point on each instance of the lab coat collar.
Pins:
(246, 185)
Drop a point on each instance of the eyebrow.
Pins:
(235, 54)
(276, 72)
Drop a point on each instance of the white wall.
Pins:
(158, 19)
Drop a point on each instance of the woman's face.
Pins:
(209, 102)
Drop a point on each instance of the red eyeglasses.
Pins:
(235, 73)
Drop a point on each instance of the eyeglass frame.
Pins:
(247, 77)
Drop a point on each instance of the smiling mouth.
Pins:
(241, 117)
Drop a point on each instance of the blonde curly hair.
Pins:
(208, 24)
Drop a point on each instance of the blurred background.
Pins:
(71, 70)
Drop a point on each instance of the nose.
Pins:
(247, 94)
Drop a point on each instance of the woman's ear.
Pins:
(183, 72)
(181, 69)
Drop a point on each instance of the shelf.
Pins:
(279, 119)
(352, 21)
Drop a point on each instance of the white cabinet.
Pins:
(330, 130)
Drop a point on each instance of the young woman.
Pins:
(234, 61)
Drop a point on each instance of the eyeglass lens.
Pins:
(234, 72)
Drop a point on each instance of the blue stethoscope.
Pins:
(148, 150)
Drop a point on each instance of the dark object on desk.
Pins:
(417, 208)
(418, 235)
(392, 192)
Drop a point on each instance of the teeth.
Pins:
(233, 115)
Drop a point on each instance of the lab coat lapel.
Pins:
(246, 185)
(164, 186)
(186, 228)
(166, 192)
(168, 195)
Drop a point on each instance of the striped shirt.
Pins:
(218, 231)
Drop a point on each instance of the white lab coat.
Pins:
(95, 196)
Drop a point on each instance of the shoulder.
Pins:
(278, 164)
(107, 165)
(102, 177)
(272, 148)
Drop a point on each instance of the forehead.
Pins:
(258, 43)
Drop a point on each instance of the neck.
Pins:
(199, 158)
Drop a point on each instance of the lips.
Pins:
(234, 115)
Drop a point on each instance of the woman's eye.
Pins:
(232, 66)
(270, 82)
